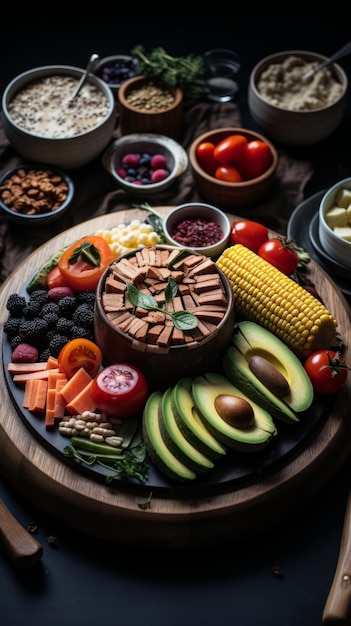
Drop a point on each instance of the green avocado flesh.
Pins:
(190, 422)
(250, 339)
(158, 451)
(177, 442)
(205, 389)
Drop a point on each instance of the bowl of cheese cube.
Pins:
(334, 228)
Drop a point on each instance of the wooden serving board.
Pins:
(115, 511)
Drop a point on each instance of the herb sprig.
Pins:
(183, 320)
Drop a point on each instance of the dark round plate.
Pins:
(298, 230)
(338, 268)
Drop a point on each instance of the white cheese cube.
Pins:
(344, 232)
(336, 216)
(343, 198)
(348, 213)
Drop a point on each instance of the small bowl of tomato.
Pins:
(233, 167)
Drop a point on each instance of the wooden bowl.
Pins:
(162, 365)
(166, 121)
(231, 195)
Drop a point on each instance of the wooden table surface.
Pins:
(112, 512)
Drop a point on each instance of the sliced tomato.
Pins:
(120, 390)
(83, 263)
(55, 279)
(77, 353)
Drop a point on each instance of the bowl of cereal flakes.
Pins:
(46, 123)
(35, 194)
(291, 106)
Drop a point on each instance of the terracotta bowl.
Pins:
(134, 119)
(296, 127)
(163, 365)
(227, 195)
(67, 152)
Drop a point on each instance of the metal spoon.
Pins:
(343, 52)
(92, 63)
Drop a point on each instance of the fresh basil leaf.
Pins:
(183, 320)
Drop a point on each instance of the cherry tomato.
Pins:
(230, 149)
(248, 233)
(77, 353)
(120, 390)
(205, 157)
(327, 371)
(280, 253)
(255, 158)
(228, 173)
(83, 263)
(55, 279)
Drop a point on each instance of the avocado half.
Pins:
(205, 389)
(251, 339)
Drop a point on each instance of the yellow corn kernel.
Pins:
(263, 294)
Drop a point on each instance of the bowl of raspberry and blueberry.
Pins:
(145, 163)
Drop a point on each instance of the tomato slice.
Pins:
(83, 263)
(77, 353)
(120, 390)
(55, 279)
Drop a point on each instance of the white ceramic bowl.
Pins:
(43, 216)
(296, 127)
(67, 153)
(203, 212)
(151, 144)
(334, 245)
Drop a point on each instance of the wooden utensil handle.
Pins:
(22, 548)
(338, 606)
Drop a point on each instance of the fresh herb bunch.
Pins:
(185, 72)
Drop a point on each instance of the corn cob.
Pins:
(263, 294)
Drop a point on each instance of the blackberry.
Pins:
(48, 308)
(44, 355)
(83, 316)
(12, 326)
(32, 309)
(67, 306)
(57, 343)
(51, 319)
(64, 326)
(15, 304)
(39, 295)
(80, 331)
(15, 341)
(86, 297)
(34, 332)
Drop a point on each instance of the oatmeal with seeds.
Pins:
(284, 85)
(45, 108)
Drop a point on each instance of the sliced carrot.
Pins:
(52, 363)
(28, 392)
(38, 397)
(60, 405)
(75, 384)
(23, 377)
(17, 368)
(50, 408)
(81, 402)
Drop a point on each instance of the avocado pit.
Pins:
(269, 375)
(235, 411)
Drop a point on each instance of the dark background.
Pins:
(81, 580)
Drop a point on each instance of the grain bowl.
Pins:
(292, 108)
(334, 227)
(149, 107)
(44, 124)
(199, 227)
(145, 163)
(35, 194)
(229, 195)
(149, 339)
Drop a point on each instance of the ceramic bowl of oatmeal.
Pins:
(199, 227)
(44, 123)
(292, 108)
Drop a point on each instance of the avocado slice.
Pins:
(190, 422)
(205, 389)
(177, 443)
(251, 339)
(157, 450)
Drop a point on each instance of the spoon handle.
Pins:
(21, 547)
(92, 62)
(343, 52)
(337, 609)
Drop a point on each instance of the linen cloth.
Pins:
(96, 193)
